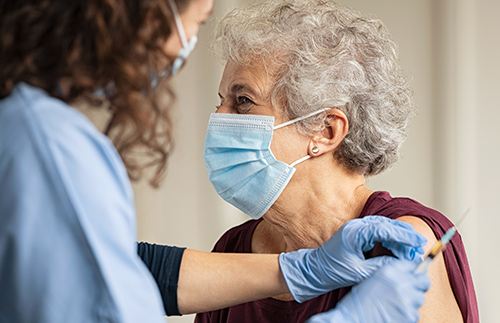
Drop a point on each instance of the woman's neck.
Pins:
(309, 212)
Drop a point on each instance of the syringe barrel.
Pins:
(423, 266)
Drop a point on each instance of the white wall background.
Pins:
(450, 161)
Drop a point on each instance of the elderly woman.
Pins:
(312, 102)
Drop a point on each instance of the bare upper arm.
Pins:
(440, 303)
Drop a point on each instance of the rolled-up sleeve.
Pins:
(164, 262)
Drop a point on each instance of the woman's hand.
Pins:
(340, 262)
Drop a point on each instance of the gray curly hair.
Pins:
(327, 56)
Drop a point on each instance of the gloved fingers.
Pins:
(373, 264)
(418, 299)
(413, 316)
(397, 271)
(405, 267)
(389, 231)
(422, 282)
(372, 219)
(403, 251)
(414, 299)
(409, 303)
(401, 270)
(392, 294)
(382, 268)
(410, 287)
(418, 282)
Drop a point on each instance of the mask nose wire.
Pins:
(178, 23)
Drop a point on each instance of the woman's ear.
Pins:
(336, 128)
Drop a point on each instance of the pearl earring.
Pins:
(315, 150)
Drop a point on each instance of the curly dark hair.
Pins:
(112, 45)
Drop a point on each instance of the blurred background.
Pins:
(451, 159)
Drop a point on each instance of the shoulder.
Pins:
(449, 271)
(441, 304)
(427, 221)
(32, 105)
(70, 141)
(422, 227)
(383, 204)
(31, 119)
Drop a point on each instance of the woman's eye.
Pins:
(243, 100)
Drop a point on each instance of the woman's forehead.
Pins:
(254, 77)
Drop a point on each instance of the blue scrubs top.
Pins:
(67, 220)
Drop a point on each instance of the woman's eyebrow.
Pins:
(242, 87)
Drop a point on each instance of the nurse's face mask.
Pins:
(184, 52)
(240, 164)
(187, 47)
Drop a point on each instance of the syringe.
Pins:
(438, 247)
(435, 250)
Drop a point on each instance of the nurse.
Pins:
(67, 218)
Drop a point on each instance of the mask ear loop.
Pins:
(295, 163)
(178, 23)
(284, 124)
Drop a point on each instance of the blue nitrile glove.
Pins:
(393, 294)
(340, 262)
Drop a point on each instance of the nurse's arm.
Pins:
(209, 281)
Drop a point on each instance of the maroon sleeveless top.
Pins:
(239, 239)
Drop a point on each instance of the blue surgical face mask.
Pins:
(187, 47)
(240, 164)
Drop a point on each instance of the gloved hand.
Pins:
(340, 262)
(393, 294)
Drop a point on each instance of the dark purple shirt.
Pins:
(239, 239)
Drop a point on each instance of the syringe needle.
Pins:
(439, 246)
(462, 217)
